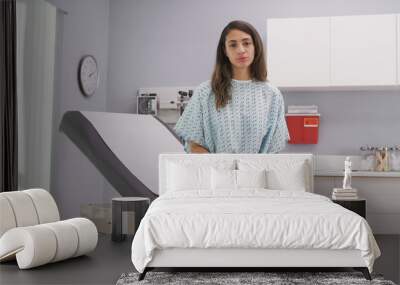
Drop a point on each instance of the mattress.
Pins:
(252, 219)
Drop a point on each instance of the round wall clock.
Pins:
(88, 75)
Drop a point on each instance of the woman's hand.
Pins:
(196, 148)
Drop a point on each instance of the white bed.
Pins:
(201, 219)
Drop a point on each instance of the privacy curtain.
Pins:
(8, 98)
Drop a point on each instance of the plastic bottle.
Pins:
(385, 158)
(395, 158)
(382, 159)
(379, 166)
(368, 158)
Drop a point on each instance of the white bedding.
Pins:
(250, 218)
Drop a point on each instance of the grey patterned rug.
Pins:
(243, 278)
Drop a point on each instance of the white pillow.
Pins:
(188, 175)
(223, 179)
(282, 174)
(251, 178)
(183, 178)
(237, 179)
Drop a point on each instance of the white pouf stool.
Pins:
(31, 230)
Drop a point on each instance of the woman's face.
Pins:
(239, 48)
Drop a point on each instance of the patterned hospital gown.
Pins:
(252, 122)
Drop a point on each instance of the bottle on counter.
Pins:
(395, 158)
(382, 158)
(368, 158)
(386, 159)
(378, 159)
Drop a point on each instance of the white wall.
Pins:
(173, 43)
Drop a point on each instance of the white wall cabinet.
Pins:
(298, 51)
(363, 50)
(334, 51)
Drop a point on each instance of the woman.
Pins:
(238, 111)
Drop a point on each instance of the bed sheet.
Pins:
(250, 218)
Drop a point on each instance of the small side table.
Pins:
(358, 206)
(139, 205)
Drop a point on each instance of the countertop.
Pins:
(333, 165)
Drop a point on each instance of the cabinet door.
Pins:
(363, 50)
(298, 51)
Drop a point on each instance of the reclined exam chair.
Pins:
(123, 147)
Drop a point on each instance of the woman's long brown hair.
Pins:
(222, 74)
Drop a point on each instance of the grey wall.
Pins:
(84, 30)
(173, 43)
(141, 43)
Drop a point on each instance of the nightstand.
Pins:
(358, 206)
(139, 205)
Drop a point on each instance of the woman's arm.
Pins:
(196, 148)
(277, 135)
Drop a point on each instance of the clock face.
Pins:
(88, 75)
